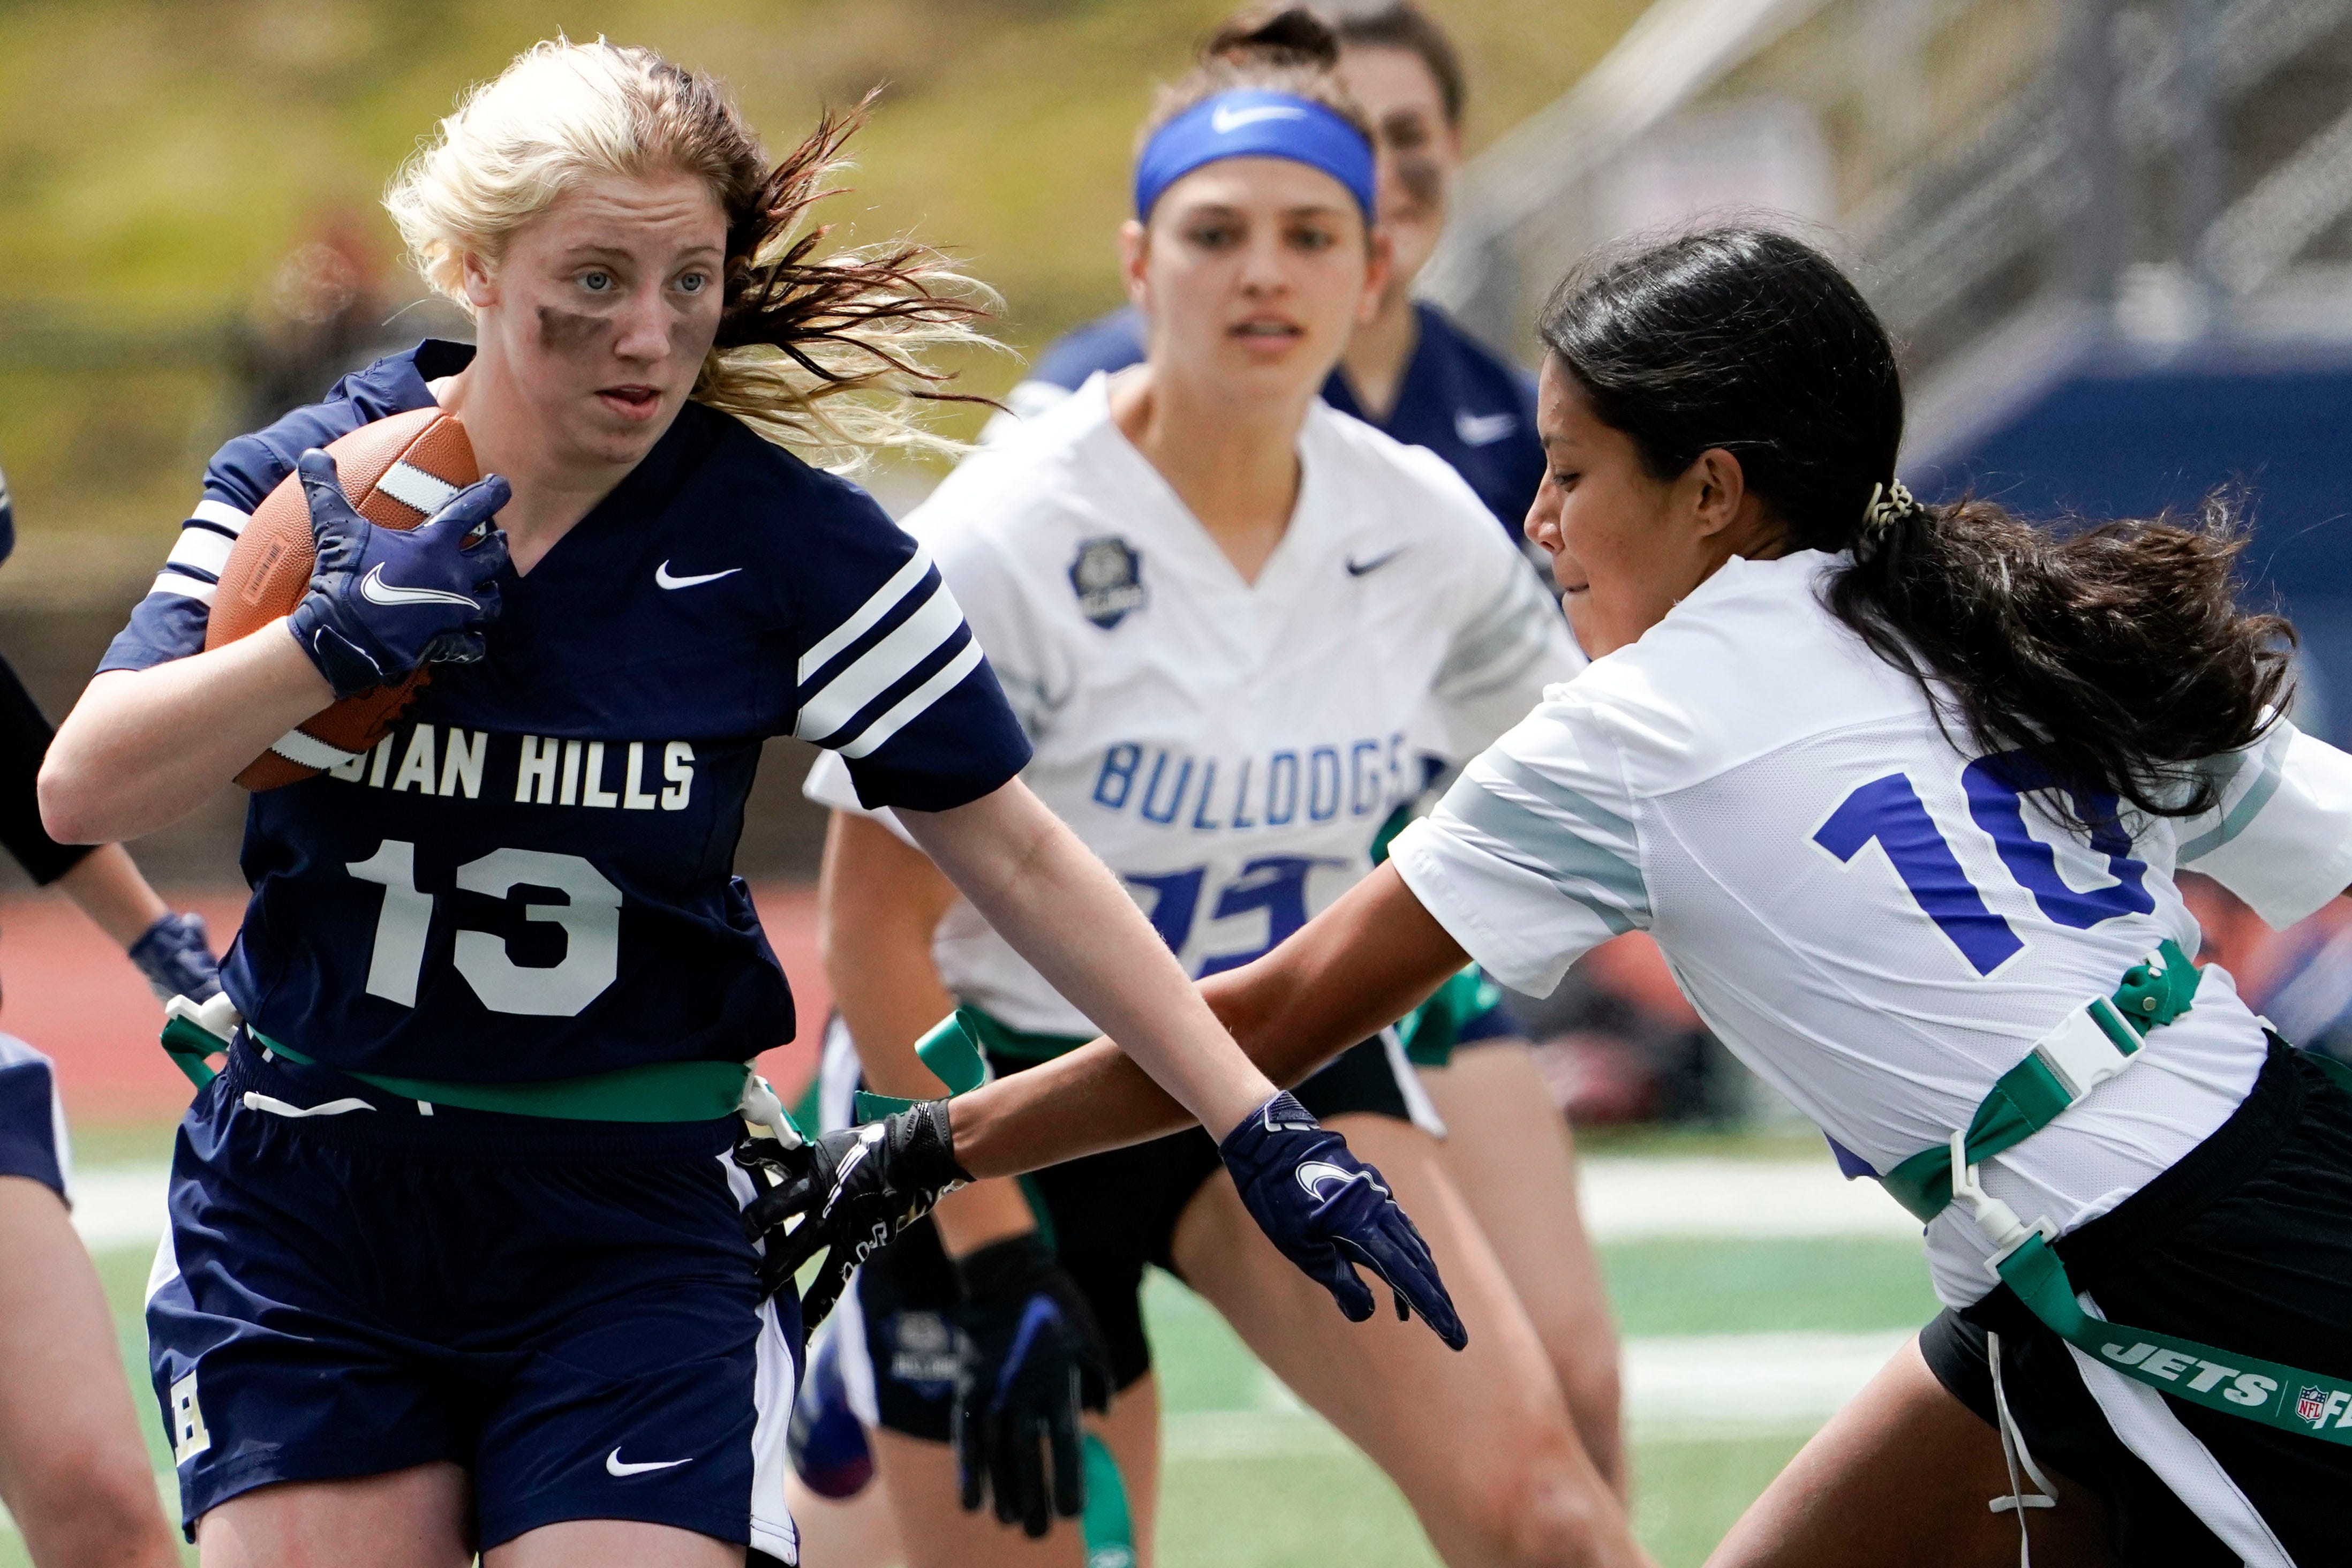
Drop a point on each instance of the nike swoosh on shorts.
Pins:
(662, 576)
(616, 1466)
(376, 591)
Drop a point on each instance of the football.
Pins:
(395, 472)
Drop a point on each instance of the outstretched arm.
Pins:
(1044, 891)
(1356, 968)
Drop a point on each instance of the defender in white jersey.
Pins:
(1231, 620)
(1901, 791)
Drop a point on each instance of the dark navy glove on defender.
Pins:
(1030, 1358)
(1329, 1213)
(381, 600)
(177, 958)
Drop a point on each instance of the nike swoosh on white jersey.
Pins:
(1315, 1173)
(376, 591)
(1484, 429)
(616, 1466)
(662, 576)
(1225, 122)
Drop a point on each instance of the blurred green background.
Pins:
(161, 161)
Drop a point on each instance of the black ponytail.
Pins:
(2116, 652)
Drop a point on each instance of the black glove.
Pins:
(852, 1191)
(1030, 1357)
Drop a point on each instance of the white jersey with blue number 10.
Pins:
(1878, 923)
(1229, 747)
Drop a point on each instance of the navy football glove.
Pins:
(383, 601)
(1030, 1359)
(177, 960)
(853, 1192)
(1328, 1212)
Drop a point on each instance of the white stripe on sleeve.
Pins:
(220, 514)
(910, 708)
(187, 587)
(203, 549)
(886, 599)
(881, 667)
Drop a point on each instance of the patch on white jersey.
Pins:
(1108, 577)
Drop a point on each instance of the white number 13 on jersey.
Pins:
(591, 921)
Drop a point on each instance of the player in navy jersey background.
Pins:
(456, 1261)
(1409, 371)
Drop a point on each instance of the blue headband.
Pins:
(1249, 124)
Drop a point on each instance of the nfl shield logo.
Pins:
(2311, 1405)
(1108, 578)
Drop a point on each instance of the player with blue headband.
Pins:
(1251, 124)
(1227, 608)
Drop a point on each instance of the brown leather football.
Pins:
(396, 472)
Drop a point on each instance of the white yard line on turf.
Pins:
(1677, 1388)
(1625, 1199)
(1632, 1199)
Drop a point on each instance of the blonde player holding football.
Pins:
(1219, 606)
(1900, 789)
(457, 1262)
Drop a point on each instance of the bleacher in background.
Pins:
(2111, 236)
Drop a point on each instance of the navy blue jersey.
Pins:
(531, 877)
(1458, 398)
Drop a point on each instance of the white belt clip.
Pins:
(760, 1105)
(1995, 1218)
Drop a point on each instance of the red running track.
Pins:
(68, 990)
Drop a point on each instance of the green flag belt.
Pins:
(2094, 1043)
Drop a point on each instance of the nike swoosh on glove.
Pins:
(381, 600)
(852, 1192)
(1029, 1359)
(177, 958)
(1330, 1214)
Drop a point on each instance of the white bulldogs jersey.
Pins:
(1875, 922)
(1229, 749)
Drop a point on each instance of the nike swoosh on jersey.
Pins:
(662, 576)
(1314, 1173)
(1358, 568)
(376, 591)
(616, 1466)
(1225, 122)
(1484, 429)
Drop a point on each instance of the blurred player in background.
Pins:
(1411, 374)
(456, 1260)
(74, 1471)
(1219, 606)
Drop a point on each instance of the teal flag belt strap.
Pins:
(2094, 1043)
(951, 1051)
(657, 1091)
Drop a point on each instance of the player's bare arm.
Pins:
(1358, 967)
(144, 747)
(1061, 909)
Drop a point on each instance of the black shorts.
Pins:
(2245, 1245)
(1107, 1215)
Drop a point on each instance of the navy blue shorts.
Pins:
(567, 1310)
(32, 1122)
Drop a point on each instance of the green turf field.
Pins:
(1253, 1483)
